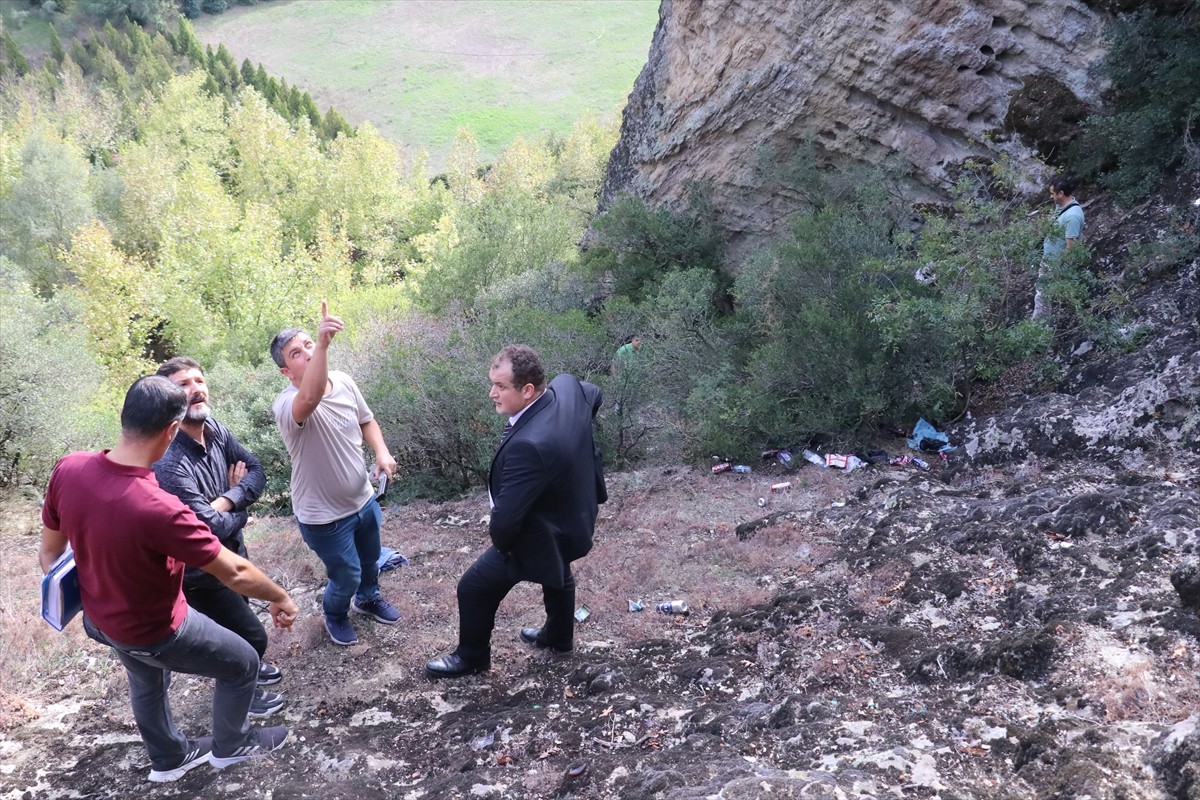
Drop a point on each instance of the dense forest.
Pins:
(158, 199)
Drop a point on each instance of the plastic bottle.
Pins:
(813, 458)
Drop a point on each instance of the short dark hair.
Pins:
(526, 365)
(151, 405)
(281, 341)
(1064, 184)
(178, 364)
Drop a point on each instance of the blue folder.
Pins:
(60, 592)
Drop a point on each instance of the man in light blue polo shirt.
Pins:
(1068, 229)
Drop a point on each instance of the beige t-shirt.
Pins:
(329, 473)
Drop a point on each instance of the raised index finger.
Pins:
(324, 309)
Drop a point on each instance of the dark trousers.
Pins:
(484, 585)
(225, 607)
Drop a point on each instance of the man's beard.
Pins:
(198, 412)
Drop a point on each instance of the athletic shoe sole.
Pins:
(271, 679)
(197, 757)
(249, 751)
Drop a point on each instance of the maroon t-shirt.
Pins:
(131, 541)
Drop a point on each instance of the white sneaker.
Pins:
(262, 742)
(198, 754)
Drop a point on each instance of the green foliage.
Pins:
(13, 62)
(647, 244)
(1153, 62)
(241, 400)
(498, 226)
(48, 384)
(971, 325)
(47, 201)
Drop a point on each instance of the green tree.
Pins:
(191, 9)
(215, 6)
(47, 380)
(57, 53)
(14, 62)
(118, 296)
(1153, 62)
(45, 205)
(249, 76)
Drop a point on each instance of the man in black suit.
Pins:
(545, 486)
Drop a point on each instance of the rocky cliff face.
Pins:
(733, 87)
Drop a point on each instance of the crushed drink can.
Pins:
(582, 613)
(724, 466)
(636, 605)
(672, 607)
(767, 455)
(741, 469)
(780, 487)
(784, 457)
(920, 462)
(762, 502)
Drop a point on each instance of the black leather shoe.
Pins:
(455, 666)
(531, 636)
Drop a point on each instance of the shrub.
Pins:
(638, 246)
(49, 404)
(1154, 108)
(241, 400)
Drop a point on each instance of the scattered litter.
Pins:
(576, 771)
(813, 458)
(778, 487)
(835, 460)
(672, 607)
(742, 469)
(636, 605)
(452, 520)
(784, 457)
(854, 462)
(724, 466)
(929, 439)
(582, 613)
(762, 502)
(389, 559)
(903, 461)
(483, 742)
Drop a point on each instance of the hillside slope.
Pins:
(1001, 627)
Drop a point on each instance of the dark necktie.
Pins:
(507, 432)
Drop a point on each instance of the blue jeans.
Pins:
(199, 647)
(349, 549)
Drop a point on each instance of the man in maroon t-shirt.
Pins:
(132, 541)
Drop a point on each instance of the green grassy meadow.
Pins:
(418, 70)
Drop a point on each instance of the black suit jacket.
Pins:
(546, 483)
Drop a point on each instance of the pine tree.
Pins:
(14, 62)
(56, 49)
(333, 124)
(81, 56)
(249, 76)
(191, 8)
(215, 6)
(307, 106)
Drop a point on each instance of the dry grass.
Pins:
(661, 537)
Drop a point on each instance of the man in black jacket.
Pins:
(545, 485)
(214, 475)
